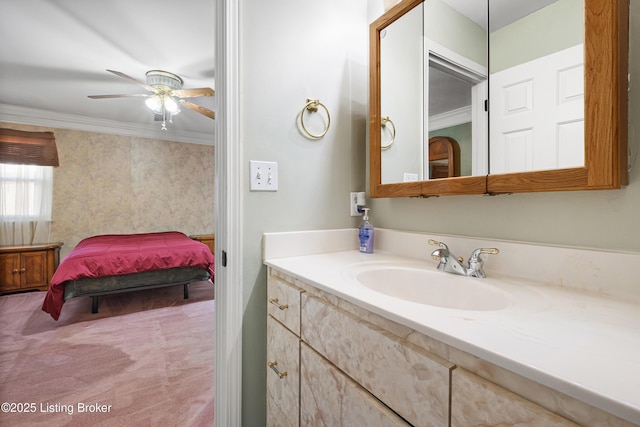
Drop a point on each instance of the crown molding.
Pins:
(32, 116)
(450, 118)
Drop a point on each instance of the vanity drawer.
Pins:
(283, 375)
(324, 389)
(283, 303)
(411, 381)
(477, 402)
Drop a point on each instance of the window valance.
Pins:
(28, 148)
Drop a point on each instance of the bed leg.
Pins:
(186, 291)
(94, 304)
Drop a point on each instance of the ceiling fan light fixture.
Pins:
(171, 105)
(166, 95)
(154, 103)
(164, 79)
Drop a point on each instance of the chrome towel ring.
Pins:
(312, 106)
(383, 122)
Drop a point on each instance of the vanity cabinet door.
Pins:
(411, 381)
(284, 303)
(283, 375)
(477, 402)
(330, 398)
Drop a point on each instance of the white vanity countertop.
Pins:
(579, 343)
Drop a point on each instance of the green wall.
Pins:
(468, 39)
(293, 49)
(522, 41)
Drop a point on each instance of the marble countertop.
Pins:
(580, 343)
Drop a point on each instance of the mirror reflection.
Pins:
(433, 73)
(537, 85)
(401, 95)
(437, 63)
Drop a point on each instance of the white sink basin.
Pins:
(432, 287)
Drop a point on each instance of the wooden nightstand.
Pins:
(207, 239)
(28, 267)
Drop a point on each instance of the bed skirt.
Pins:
(94, 287)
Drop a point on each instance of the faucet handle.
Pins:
(475, 255)
(476, 261)
(490, 251)
(436, 243)
(439, 253)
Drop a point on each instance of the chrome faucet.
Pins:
(452, 264)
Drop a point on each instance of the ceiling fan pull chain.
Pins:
(164, 118)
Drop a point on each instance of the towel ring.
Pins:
(383, 123)
(312, 106)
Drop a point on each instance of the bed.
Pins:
(116, 263)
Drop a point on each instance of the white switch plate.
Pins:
(264, 175)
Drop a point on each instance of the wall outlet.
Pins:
(410, 177)
(264, 175)
(355, 199)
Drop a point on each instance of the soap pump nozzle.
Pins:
(366, 214)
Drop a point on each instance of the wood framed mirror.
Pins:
(606, 27)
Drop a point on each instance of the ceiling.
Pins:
(503, 12)
(56, 53)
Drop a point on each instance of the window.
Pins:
(26, 193)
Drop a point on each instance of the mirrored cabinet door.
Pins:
(537, 86)
(576, 138)
(432, 80)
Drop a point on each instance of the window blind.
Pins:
(28, 148)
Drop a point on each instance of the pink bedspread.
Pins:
(116, 254)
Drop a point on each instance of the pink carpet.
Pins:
(146, 359)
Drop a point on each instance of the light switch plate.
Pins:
(264, 175)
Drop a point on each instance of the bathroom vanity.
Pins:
(343, 349)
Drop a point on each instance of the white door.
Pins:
(537, 114)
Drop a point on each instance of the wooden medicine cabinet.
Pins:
(602, 126)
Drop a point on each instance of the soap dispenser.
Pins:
(365, 233)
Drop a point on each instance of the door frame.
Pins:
(445, 59)
(228, 229)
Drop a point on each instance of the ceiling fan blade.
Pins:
(124, 76)
(198, 109)
(118, 96)
(192, 93)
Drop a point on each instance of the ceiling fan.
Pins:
(166, 95)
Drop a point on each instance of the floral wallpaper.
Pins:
(108, 184)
